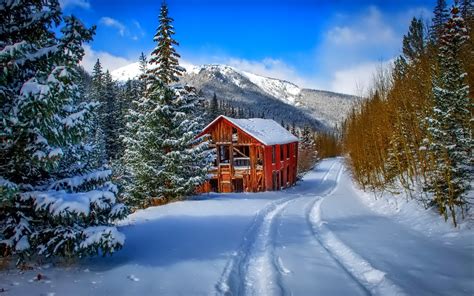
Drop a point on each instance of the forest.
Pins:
(413, 134)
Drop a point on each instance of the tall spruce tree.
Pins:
(213, 108)
(165, 157)
(52, 202)
(414, 41)
(164, 55)
(97, 95)
(110, 117)
(451, 138)
(143, 66)
(440, 17)
(467, 12)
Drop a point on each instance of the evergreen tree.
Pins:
(307, 138)
(165, 158)
(52, 202)
(111, 117)
(293, 129)
(97, 95)
(164, 55)
(414, 42)
(213, 108)
(451, 139)
(441, 15)
(467, 13)
(143, 66)
(97, 79)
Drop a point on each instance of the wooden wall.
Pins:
(255, 177)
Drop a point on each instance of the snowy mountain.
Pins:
(274, 98)
(125, 73)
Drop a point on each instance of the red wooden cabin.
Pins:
(251, 155)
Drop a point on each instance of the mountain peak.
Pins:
(268, 94)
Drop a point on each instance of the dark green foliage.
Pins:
(441, 15)
(414, 41)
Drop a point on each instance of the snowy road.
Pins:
(318, 238)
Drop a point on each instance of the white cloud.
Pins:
(356, 80)
(353, 48)
(110, 22)
(108, 61)
(368, 29)
(78, 3)
(345, 35)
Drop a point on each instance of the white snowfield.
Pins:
(320, 237)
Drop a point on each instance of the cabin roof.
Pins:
(266, 131)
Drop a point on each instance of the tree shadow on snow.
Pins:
(175, 239)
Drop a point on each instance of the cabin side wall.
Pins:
(281, 165)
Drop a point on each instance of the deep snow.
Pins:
(321, 237)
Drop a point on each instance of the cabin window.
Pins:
(288, 151)
(273, 154)
(282, 152)
(224, 156)
(241, 162)
(241, 156)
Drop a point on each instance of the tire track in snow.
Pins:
(251, 271)
(254, 269)
(370, 279)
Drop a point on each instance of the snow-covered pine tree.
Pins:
(165, 158)
(110, 117)
(451, 138)
(104, 90)
(467, 12)
(440, 16)
(164, 55)
(96, 94)
(143, 66)
(52, 203)
(307, 138)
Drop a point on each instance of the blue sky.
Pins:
(333, 45)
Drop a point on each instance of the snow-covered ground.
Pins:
(321, 237)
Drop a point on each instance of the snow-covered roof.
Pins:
(266, 131)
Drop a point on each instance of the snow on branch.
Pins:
(61, 204)
(77, 181)
(100, 235)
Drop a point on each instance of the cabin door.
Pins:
(238, 185)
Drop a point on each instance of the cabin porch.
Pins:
(237, 168)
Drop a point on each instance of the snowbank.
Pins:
(412, 213)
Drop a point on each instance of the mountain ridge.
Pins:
(274, 98)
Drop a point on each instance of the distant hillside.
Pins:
(277, 99)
